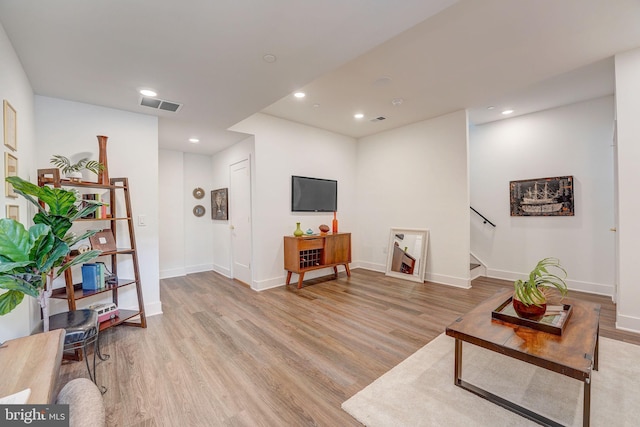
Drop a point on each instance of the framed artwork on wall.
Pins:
(10, 169)
(10, 123)
(220, 204)
(13, 212)
(542, 197)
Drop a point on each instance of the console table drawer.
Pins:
(306, 244)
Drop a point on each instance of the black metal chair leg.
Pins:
(102, 357)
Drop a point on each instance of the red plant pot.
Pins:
(531, 312)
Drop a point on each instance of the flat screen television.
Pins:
(313, 194)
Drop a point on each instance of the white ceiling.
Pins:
(348, 56)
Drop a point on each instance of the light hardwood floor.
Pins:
(223, 354)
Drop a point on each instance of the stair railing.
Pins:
(485, 219)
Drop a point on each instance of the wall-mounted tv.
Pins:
(313, 194)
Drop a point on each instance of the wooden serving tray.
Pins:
(551, 323)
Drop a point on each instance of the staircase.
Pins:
(476, 268)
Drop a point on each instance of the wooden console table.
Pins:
(574, 353)
(306, 253)
(32, 362)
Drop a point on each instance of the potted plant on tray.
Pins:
(73, 170)
(530, 296)
(31, 258)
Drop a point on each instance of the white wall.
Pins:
(628, 136)
(69, 128)
(172, 214)
(186, 241)
(571, 140)
(416, 177)
(282, 149)
(221, 236)
(198, 231)
(15, 88)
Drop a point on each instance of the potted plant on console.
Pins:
(530, 296)
(73, 171)
(31, 258)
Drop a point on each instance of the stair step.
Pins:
(473, 265)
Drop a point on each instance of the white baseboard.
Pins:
(381, 268)
(262, 285)
(576, 285)
(628, 323)
(221, 270)
(478, 272)
(152, 309)
(442, 279)
(172, 272)
(198, 268)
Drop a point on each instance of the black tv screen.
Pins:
(313, 194)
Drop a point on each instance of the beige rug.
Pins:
(420, 391)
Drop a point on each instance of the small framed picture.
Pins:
(10, 169)
(219, 204)
(10, 126)
(13, 212)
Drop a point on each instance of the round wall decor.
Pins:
(198, 193)
(198, 210)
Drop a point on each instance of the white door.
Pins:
(240, 220)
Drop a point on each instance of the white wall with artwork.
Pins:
(69, 128)
(574, 140)
(282, 149)
(15, 88)
(416, 177)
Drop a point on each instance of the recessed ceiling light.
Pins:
(491, 107)
(505, 112)
(269, 58)
(194, 140)
(299, 95)
(148, 92)
(397, 101)
(358, 115)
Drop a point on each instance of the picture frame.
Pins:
(10, 169)
(220, 204)
(13, 212)
(10, 123)
(542, 197)
(103, 241)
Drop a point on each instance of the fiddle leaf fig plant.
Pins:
(30, 259)
(548, 273)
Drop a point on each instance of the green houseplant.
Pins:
(530, 296)
(72, 170)
(31, 258)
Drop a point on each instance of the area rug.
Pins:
(420, 390)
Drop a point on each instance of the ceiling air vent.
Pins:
(378, 119)
(160, 104)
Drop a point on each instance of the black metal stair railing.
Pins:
(485, 219)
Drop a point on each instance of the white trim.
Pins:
(576, 285)
(380, 268)
(198, 268)
(628, 323)
(152, 309)
(220, 269)
(442, 279)
(173, 272)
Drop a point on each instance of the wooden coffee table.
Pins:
(574, 353)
